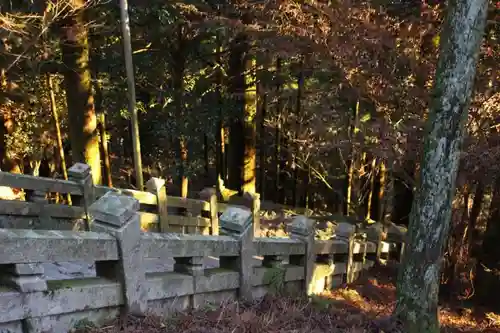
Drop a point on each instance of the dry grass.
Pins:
(363, 307)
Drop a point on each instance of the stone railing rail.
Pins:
(249, 266)
(158, 211)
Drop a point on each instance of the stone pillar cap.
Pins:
(113, 208)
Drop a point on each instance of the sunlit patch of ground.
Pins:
(360, 308)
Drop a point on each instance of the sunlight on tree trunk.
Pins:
(132, 108)
(418, 280)
(352, 191)
(80, 101)
(57, 126)
(242, 130)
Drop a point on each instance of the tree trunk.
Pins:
(101, 119)
(418, 280)
(219, 135)
(242, 131)
(80, 101)
(263, 100)
(489, 266)
(127, 52)
(178, 72)
(352, 190)
(277, 138)
(298, 130)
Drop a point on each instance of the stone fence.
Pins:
(248, 266)
(157, 212)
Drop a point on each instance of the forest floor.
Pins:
(364, 306)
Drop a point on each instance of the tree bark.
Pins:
(127, 52)
(277, 138)
(242, 131)
(418, 280)
(80, 101)
(352, 186)
(178, 72)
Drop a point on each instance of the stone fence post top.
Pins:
(301, 225)
(236, 219)
(113, 208)
(79, 170)
(155, 184)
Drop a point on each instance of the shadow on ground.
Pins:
(361, 307)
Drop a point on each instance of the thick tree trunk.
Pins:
(82, 116)
(418, 280)
(242, 131)
(134, 121)
(178, 72)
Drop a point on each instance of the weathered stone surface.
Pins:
(120, 219)
(279, 246)
(114, 209)
(345, 230)
(154, 184)
(25, 284)
(24, 269)
(12, 327)
(12, 306)
(291, 273)
(215, 298)
(302, 228)
(168, 285)
(235, 219)
(79, 171)
(331, 246)
(216, 280)
(301, 225)
(66, 322)
(177, 245)
(189, 265)
(24, 246)
(169, 306)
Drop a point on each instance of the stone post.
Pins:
(210, 194)
(157, 187)
(346, 231)
(81, 174)
(253, 202)
(117, 215)
(237, 222)
(302, 228)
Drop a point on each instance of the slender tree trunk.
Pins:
(242, 132)
(80, 101)
(370, 198)
(298, 114)
(127, 52)
(418, 280)
(474, 215)
(57, 125)
(263, 100)
(277, 137)
(219, 135)
(352, 191)
(101, 119)
(206, 148)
